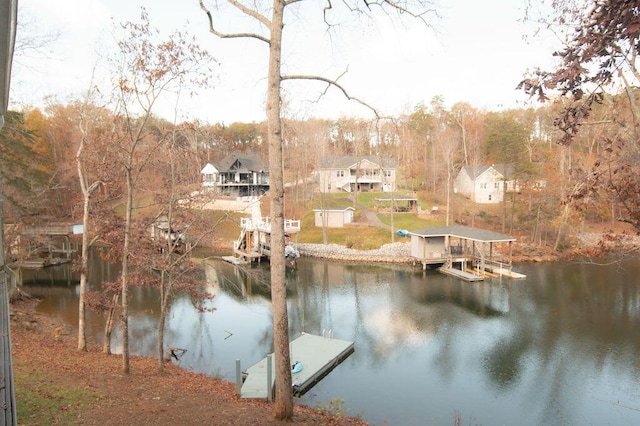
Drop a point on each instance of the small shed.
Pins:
(333, 218)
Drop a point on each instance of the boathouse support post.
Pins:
(238, 377)
(510, 255)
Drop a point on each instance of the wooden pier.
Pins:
(318, 355)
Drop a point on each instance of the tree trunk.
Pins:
(84, 261)
(283, 406)
(125, 273)
(108, 326)
(161, 322)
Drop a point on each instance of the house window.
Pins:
(496, 185)
(489, 197)
(483, 185)
(340, 173)
(387, 173)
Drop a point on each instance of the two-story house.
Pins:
(237, 175)
(485, 184)
(350, 173)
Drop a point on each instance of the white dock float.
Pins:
(318, 355)
(507, 272)
(467, 276)
(234, 260)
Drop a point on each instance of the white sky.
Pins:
(475, 53)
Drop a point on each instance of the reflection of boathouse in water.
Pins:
(464, 252)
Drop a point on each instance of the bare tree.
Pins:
(88, 185)
(146, 69)
(283, 407)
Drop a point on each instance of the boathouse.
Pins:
(254, 241)
(462, 251)
(45, 244)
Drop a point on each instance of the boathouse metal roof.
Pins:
(466, 232)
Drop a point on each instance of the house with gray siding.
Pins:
(350, 173)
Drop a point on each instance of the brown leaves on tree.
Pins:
(599, 57)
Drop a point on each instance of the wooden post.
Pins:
(269, 377)
(238, 378)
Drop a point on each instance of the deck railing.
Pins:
(264, 224)
(7, 390)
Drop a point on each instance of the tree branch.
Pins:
(244, 10)
(330, 83)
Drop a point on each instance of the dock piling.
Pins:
(269, 378)
(238, 377)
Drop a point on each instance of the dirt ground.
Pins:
(144, 397)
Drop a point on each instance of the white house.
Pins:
(350, 173)
(237, 174)
(209, 175)
(333, 218)
(485, 184)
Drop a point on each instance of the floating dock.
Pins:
(505, 272)
(318, 355)
(234, 260)
(467, 276)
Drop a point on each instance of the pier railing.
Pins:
(264, 225)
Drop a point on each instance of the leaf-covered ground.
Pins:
(88, 388)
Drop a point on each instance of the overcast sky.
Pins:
(475, 52)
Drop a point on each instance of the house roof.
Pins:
(209, 169)
(241, 162)
(334, 209)
(466, 232)
(350, 161)
(505, 170)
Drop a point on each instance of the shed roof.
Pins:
(335, 209)
(466, 232)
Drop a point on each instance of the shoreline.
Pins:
(45, 358)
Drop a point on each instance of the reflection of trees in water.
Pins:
(564, 322)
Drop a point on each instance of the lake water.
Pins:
(560, 347)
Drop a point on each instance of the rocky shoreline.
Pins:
(388, 253)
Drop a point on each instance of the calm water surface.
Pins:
(560, 347)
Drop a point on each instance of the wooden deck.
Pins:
(318, 355)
